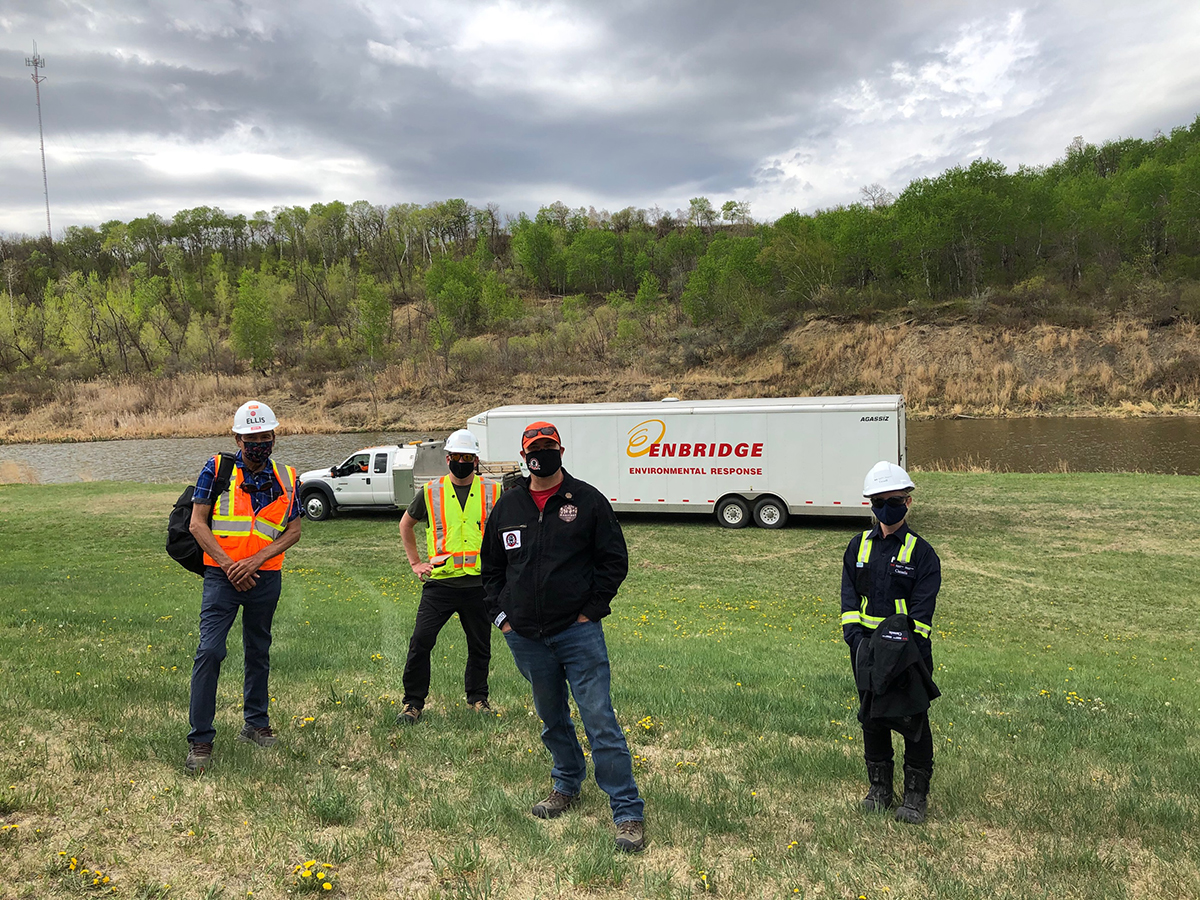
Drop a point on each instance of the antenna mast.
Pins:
(39, 62)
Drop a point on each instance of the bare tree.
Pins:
(877, 196)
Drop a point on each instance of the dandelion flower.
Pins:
(327, 886)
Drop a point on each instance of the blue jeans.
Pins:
(578, 658)
(218, 608)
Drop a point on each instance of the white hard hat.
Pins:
(884, 477)
(253, 417)
(462, 441)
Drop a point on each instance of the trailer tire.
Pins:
(733, 512)
(317, 506)
(770, 512)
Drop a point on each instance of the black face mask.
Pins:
(543, 463)
(461, 469)
(257, 454)
(890, 515)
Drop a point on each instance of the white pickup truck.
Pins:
(374, 477)
(385, 477)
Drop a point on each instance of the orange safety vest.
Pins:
(457, 531)
(240, 531)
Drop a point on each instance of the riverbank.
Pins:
(1065, 735)
(1121, 368)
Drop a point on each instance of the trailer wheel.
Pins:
(770, 512)
(732, 512)
(317, 506)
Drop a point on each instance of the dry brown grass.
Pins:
(951, 370)
(1120, 368)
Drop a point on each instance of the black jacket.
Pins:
(882, 580)
(542, 569)
(894, 684)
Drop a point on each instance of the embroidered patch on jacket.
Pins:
(899, 636)
(568, 512)
(512, 540)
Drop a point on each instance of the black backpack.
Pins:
(181, 545)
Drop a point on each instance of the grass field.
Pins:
(1068, 754)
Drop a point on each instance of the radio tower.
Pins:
(39, 62)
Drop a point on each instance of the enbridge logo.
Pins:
(647, 439)
(645, 435)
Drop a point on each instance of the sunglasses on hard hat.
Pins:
(893, 502)
(548, 430)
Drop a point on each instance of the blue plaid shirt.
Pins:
(264, 488)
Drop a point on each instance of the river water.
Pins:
(1166, 445)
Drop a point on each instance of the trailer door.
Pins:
(853, 442)
(590, 454)
(688, 453)
(637, 444)
(794, 444)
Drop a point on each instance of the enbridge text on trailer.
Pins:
(648, 439)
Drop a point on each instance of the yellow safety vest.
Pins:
(456, 530)
(859, 616)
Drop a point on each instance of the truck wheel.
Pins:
(732, 512)
(317, 506)
(770, 512)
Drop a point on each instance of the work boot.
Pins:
(480, 705)
(199, 757)
(916, 795)
(409, 715)
(631, 837)
(554, 805)
(264, 737)
(880, 797)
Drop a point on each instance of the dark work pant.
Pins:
(219, 606)
(438, 603)
(877, 744)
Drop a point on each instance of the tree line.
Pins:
(1114, 226)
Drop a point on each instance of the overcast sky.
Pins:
(161, 105)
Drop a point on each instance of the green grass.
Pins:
(1068, 756)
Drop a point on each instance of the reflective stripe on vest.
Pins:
(239, 530)
(452, 530)
(859, 616)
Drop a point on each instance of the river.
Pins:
(1162, 445)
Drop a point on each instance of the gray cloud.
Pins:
(157, 106)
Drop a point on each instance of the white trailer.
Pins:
(746, 460)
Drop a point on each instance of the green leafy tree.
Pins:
(728, 284)
(801, 260)
(253, 328)
(649, 294)
(373, 317)
(701, 213)
(500, 304)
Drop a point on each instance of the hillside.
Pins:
(946, 369)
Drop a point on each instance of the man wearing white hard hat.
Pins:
(890, 574)
(455, 508)
(255, 516)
